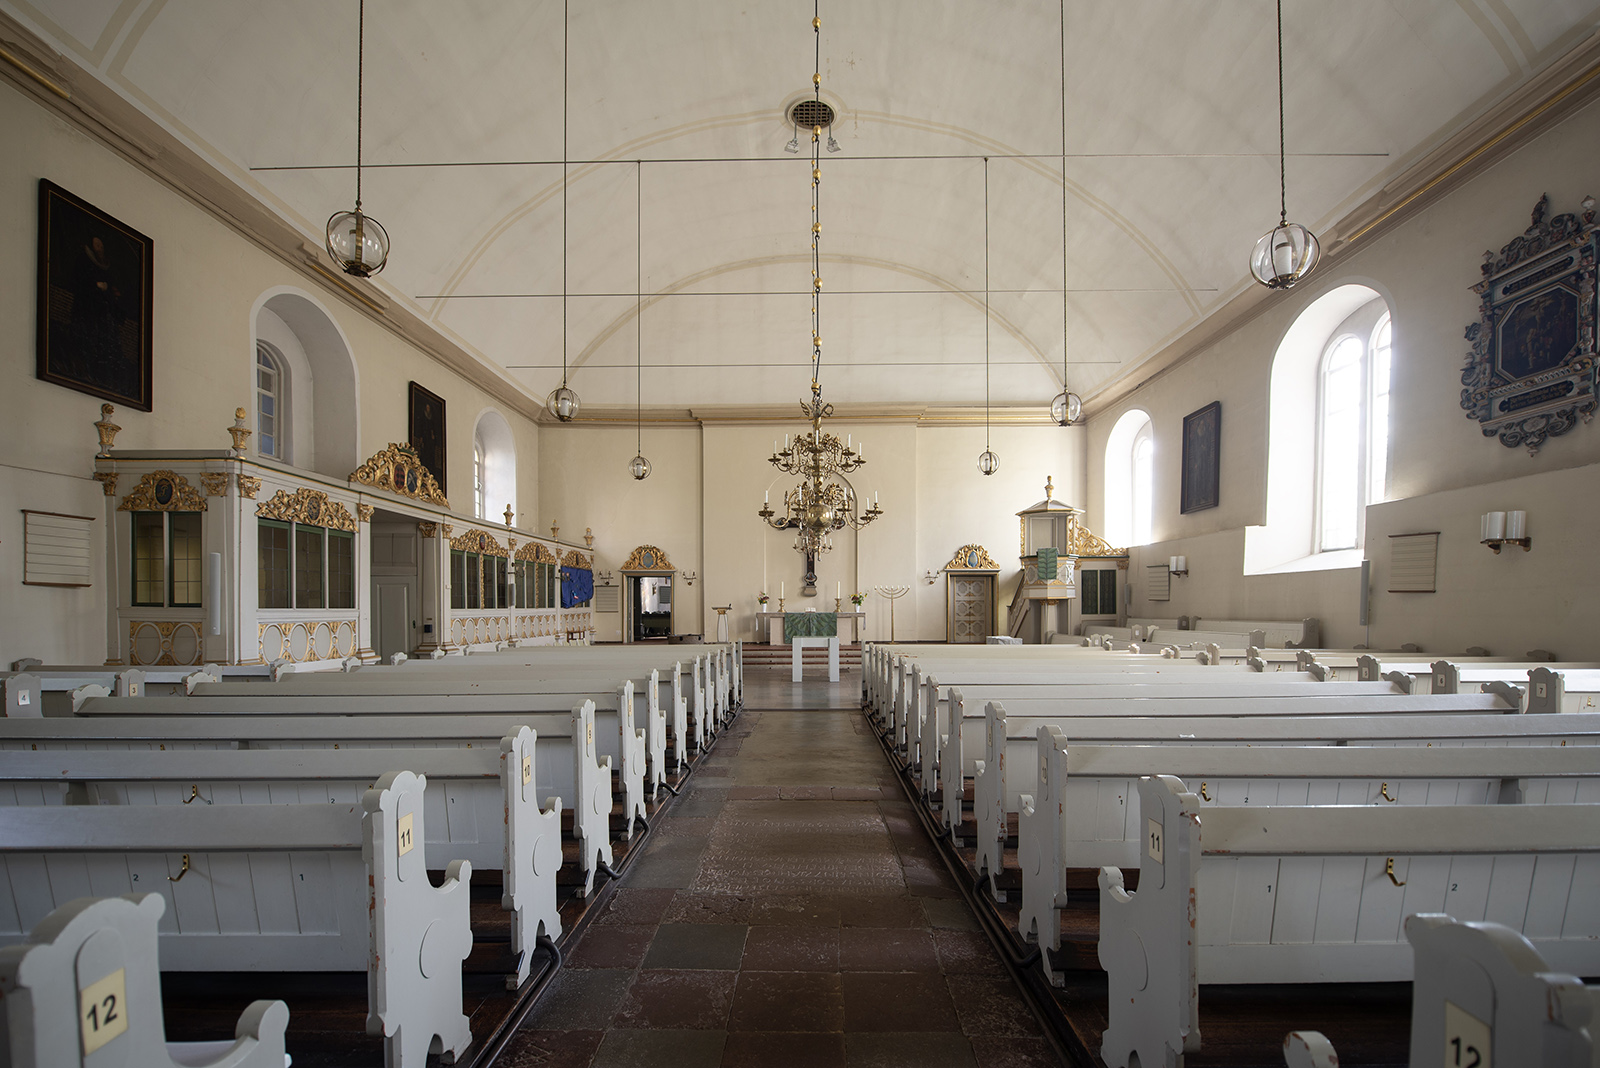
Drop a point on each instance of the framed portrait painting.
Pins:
(94, 294)
(425, 431)
(1202, 442)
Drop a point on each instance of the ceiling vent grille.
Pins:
(810, 113)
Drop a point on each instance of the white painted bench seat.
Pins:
(109, 945)
(1231, 895)
(270, 888)
(1080, 815)
(483, 808)
(566, 759)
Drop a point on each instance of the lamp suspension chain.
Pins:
(565, 8)
(986, 303)
(816, 210)
(1283, 171)
(361, 66)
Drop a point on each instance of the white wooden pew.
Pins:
(1079, 817)
(1003, 776)
(485, 806)
(368, 907)
(568, 754)
(88, 979)
(1250, 912)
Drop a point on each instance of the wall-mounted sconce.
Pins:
(1178, 565)
(930, 577)
(689, 577)
(1505, 528)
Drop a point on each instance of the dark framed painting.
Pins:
(1202, 458)
(94, 289)
(425, 431)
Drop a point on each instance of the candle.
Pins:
(1496, 526)
(1172, 563)
(1516, 524)
(780, 590)
(837, 587)
(767, 497)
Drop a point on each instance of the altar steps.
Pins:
(780, 656)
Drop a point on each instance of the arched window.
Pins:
(494, 466)
(477, 474)
(1353, 422)
(1328, 417)
(1130, 480)
(272, 403)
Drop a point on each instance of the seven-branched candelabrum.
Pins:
(818, 506)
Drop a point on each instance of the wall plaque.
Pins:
(1531, 373)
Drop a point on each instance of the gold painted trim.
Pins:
(308, 506)
(958, 562)
(635, 560)
(379, 470)
(185, 498)
(36, 74)
(474, 540)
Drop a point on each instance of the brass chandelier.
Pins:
(819, 505)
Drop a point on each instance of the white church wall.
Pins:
(207, 282)
(1425, 267)
(700, 502)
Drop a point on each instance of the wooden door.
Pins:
(393, 619)
(971, 608)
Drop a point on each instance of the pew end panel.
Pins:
(1309, 1049)
(420, 933)
(989, 798)
(533, 853)
(1148, 938)
(591, 815)
(1484, 984)
(99, 956)
(1039, 849)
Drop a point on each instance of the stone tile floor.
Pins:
(788, 912)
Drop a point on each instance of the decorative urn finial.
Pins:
(554, 531)
(509, 515)
(588, 536)
(1049, 487)
(241, 432)
(107, 429)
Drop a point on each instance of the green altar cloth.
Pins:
(810, 625)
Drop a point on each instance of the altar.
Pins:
(765, 621)
(805, 630)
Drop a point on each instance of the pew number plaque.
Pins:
(1467, 1039)
(102, 1010)
(527, 770)
(1153, 843)
(404, 835)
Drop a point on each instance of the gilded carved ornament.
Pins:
(249, 486)
(645, 558)
(108, 482)
(364, 512)
(972, 557)
(215, 483)
(1080, 542)
(308, 506)
(107, 430)
(398, 469)
(575, 559)
(536, 552)
(163, 491)
(428, 530)
(477, 541)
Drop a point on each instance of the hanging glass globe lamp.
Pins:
(988, 462)
(639, 468)
(1067, 408)
(358, 243)
(1284, 255)
(563, 403)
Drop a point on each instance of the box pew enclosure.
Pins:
(229, 558)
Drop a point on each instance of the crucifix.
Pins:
(808, 584)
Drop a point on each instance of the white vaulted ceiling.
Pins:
(1170, 170)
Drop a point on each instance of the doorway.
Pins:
(971, 607)
(396, 587)
(650, 607)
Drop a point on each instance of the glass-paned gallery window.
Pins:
(479, 580)
(1352, 435)
(271, 424)
(1130, 458)
(304, 566)
(167, 559)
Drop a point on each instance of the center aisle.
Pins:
(789, 911)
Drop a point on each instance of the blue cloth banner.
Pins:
(577, 586)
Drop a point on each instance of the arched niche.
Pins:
(492, 435)
(322, 396)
